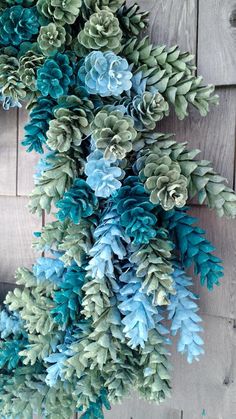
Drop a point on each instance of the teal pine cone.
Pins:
(164, 181)
(102, 32)
(113, 133)
(51, 38)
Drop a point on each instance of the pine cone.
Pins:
(51, 38)
(54, 77)
(18, 24)
(154, 381)
(134, 208)
(132, 20)
(72, 120)
(35, 130)
(58, 11)
(77, 242)
(170, 60)
(148, 109)
(193, 247)
(203, 181)
(153, 265)
(110, 78)
(164, 181)
(29, 63)
(10, 83)
(113, 133)
(102, 32)
(103, 175)
(92, 6)
(52, 183)
(77, 203)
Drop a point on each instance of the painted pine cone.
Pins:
(79, 202)
(113, 133)
(105, 74)
(18, 24)
(102, 32)
(149, 109)
(51, 38)
(10, 83)
(29, 64)
(164, 182)
(134, 208)
(61, 12)
(54, 77)
(95, 5)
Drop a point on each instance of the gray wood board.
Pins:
(217, 41)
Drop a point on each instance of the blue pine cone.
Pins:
(18, 24)
(79, 202)
(136, 306)
(35, 130)
(185, 320)
(105, 74)
(54, 77)
(134, 208)
(103, 175)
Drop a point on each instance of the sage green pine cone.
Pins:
(102, 32)
(29, 62)
(10, 82)
(70, 124)
(60, 11)
(95, 5)
(113, 133)
(165, 183)
(149, 109)
(51, 38)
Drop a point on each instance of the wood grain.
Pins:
(8, 152)
(214, 135)
(217, 41)
(135, 408)
(172, 22)
(26, 161)
(17, 227)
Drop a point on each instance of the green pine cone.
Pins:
(29, 62)
(51, 38)
(203, 181)
(164, 181)
(132, 20)
(96, 5)
(113, 133)
(149, 109)
(154, 266)
(71, 123)
(102, 32)
(60, 12)
(10, 82)
(155, 386)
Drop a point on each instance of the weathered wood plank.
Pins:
(214, 135)
(216, 43)
(210, 385)
(17, 228)
(136, 408)
(172, 22)
(221, 232)
(4, 288)
(26, 161)
(8, 152)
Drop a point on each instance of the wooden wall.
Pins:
(208, 29)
